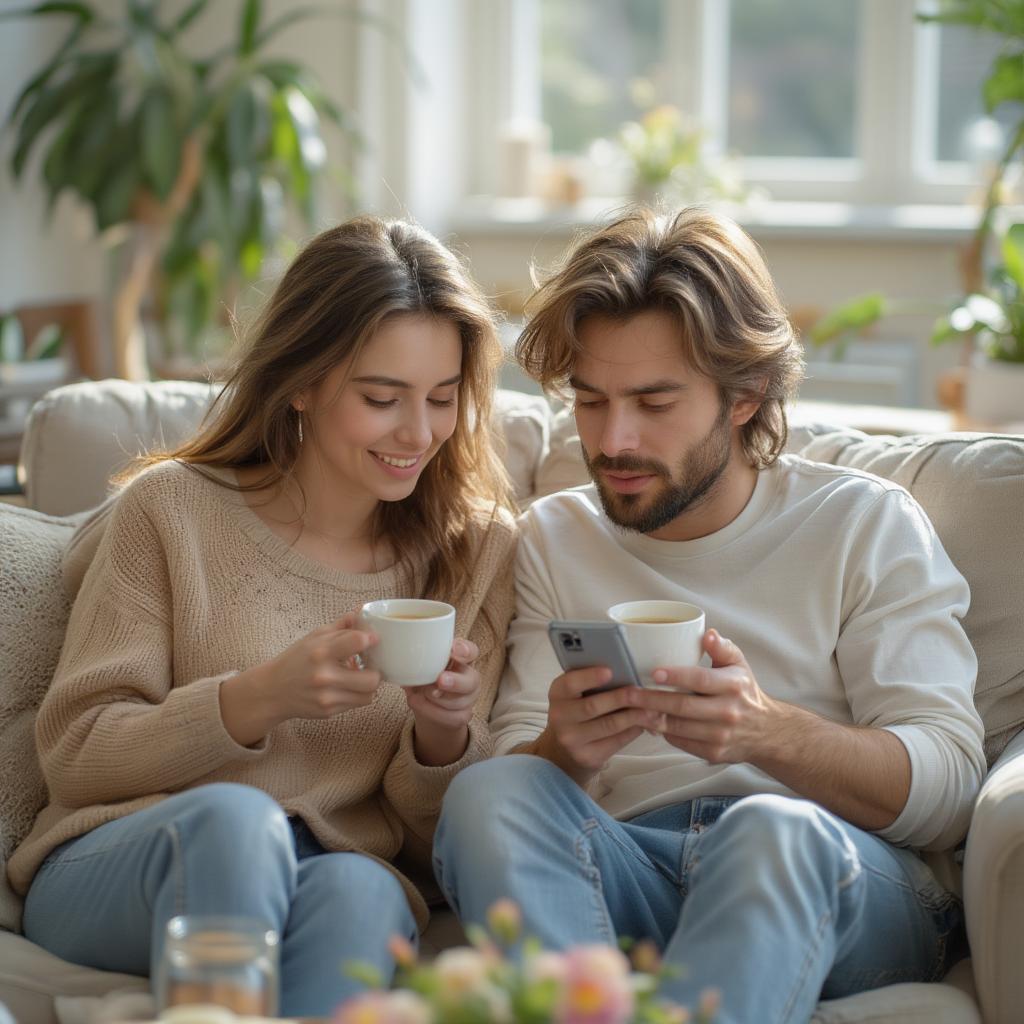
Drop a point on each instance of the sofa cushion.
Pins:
(79, 435)
(33, 617)
(972, 488)
(40, 987)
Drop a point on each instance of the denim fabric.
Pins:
(104, 899)
(771, 900)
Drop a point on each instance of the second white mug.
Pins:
(661, 634)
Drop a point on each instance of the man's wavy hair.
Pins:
(704, 271)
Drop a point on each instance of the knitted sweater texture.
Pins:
(189, 587)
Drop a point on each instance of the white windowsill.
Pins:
(775, 219)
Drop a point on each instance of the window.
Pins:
(589, 87)
(962, 130)
(792, 78)
(850, 100)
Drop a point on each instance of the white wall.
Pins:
(41, 261)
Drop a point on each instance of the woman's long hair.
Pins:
(330, 303)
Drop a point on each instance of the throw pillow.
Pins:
(33, 617)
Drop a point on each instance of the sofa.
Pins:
(972, 486)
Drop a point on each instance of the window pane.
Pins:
(792, 70)
(602, 64)
(965, 57)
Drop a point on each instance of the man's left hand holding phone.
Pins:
(592, 709)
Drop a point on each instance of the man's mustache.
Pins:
(628, 464)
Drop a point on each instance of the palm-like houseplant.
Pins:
(989, 316)
(198, 155)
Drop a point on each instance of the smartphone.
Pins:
(588, 644)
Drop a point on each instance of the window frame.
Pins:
(895, 102)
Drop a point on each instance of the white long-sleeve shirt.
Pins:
(838, 592)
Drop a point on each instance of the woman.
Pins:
(211, 741)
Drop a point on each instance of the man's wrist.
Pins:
(783, 736)
(546, 745)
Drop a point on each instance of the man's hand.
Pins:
(721, 715)
(584, 732)
(860, 773)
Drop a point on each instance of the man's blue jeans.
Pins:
(103, 900)
(771, 900)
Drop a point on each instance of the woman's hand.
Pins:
(443, 709)
(316, 677)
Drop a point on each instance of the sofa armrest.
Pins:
(994, 887)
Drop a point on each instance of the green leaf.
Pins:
(114, 202)
(248, 122)
(106, 143)
(12, 339)
(61, 160)
(1013, 254)
(943, 331)
(161, 142)
(1005, 82)
(80, 10)
(46, 344)
(51, 104)
(855, 315)
(35, 83)
(188, 16)
(252, 12)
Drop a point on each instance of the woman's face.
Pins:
(374, 433)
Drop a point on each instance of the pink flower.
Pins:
(597, 988)
(710, 1003)
(504, 920)
(546, 966)
(646, 957)
(402, 950)
(461, 972)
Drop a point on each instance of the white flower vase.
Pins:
(994, 392)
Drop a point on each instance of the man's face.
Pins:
(656, 436)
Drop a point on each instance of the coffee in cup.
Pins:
(415, 639)
(661, 634)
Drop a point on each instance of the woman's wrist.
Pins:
(438, 745)
(246, 709)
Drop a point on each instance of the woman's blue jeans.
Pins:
(771, 900)
(103, 900)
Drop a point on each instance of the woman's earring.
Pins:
(299, 411)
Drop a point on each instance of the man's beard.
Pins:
(700, 469)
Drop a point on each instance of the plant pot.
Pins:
(994, 391)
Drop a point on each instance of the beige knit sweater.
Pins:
(189, 586)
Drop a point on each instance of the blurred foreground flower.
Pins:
(479, 984)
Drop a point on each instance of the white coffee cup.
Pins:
(660, 634)
(415, 641)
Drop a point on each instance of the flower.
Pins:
(376, 1007)
(505, 919)
(482, 984)
(597, 987)
(461, 972)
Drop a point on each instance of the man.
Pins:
(758, 818)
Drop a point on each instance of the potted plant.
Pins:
(988, 317)
(665, 152)
(191, 158)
